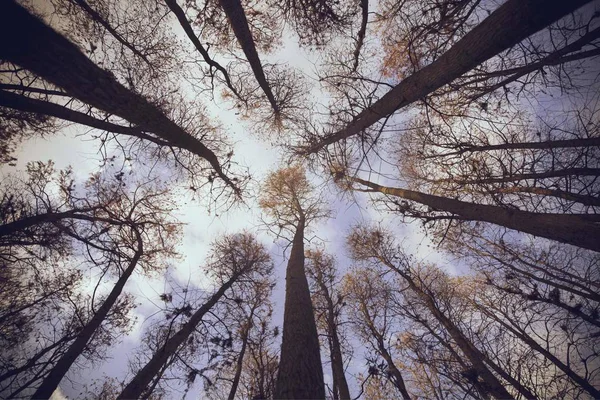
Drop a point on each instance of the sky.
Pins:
(72, 147)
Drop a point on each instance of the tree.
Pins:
(234, 258)
(44, 52)
(328, 303)
(110, 221)
(288, 199)
(484, 41)
(378, 246)
(369, 303)
(566, 228)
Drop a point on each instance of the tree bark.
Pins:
(577, 230)
(28, 104)
(28, 42)
(300, 374)
(140, 381)
(239, 24)
(508, 25)
(62, 366)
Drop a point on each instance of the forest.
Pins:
(300, 199)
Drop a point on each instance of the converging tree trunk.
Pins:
(300, 373)
(508, 25)
(142, 379)
(60, 369)
(31, 44)
(239, 24)
(578, 230)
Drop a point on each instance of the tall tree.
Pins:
(44, 52)
(379, 246)
(234, 257)
(575, 229)
(288, 199)
(490, 37)
(328, 302)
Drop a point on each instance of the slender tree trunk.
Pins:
(477, 359)
(495, 388)
(335, 349)
(581, 231)
(240, 363)
(29, 43)
(239, 24)
(549, 144)
(62, 366)
(142, 379)
(393, 370)
(520, 177)
(28, 104)
(508, 25)
(396, 375)
(189, 31)
(337, 362)
(560, 194)
(364, 6)
(300, 374)
(582, 382)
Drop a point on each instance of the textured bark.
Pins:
(300, 374)
(508, 25)
(62, 366)
(239, 23)
(28, 42)
(578, 230)
(142, 379)
(28, 104)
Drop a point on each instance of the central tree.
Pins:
(289, 201)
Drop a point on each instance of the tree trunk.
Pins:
(581, 231)
(29, 43)
(394, 372)
(140, 381)
(475, 357)
(62, 366)
(508, 25)
(337, 362)
(28, 104)
(548, 144)
(582, 382)
(300, 374)
(240, 362)
(520, 177)
(239, 24)
(574, 197)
